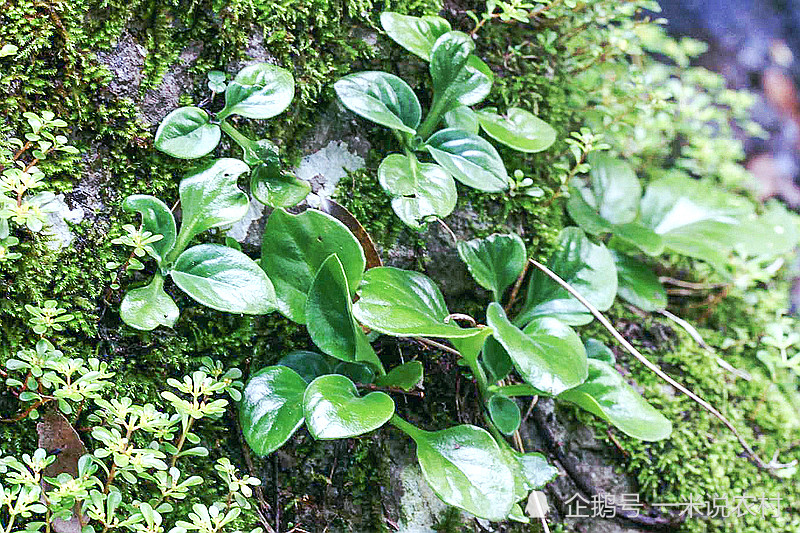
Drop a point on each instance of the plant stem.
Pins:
(433, 118)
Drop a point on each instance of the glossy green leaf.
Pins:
(458, 77)
(415, 34)
(419, 190)
(406, 376)
(495, 261)
(614, 190)
(224, 279)
(259, 91)
(157, 219)
(404, 303)
(295, 246)
(537, 471)
(548, 355)
(466, 469)
(186, 133)
(638, 284)
(309, 365)
(255, 153)
(329, 317)
(271, 409)
(505, 414)
(469, 158)
(210, 198)
(355, 372)
(587, 267)
(597, 350)
(462, 118)
(334, 410)
(496, 360)
(148, 307)
(274, 188)
(607, 395)
(382, 98)
(517, 129)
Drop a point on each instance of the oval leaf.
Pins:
(259, 91)
(187, 134)
(404, 303)
(415, 34)
(271, 409)
(638, 284)
(496, 360)
(517, 129)
(293, 249)
(462, 118)
(224, 279)
(309, 365)
(210, 197)
(328, 311)
(588, 267)
(458, 76)
(505, 414)
(469, 158)
(607, 395)
(495, 261)
(382, 98)
(272, 187)
(157, 219)
(148, 307)
(333, 409)
(420, 190)
(406, 376)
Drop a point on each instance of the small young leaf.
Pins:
(334, 410)
(224, 279)
(187, 134)
(382, 98)
(148, 307)
(258, 91)
(157, 219)
(517, 129)
(469, 158)
(406, 376)
(415, 34)
(495, 262)
(271, 409)
(272, 187)
(505, 414)
(638, 284)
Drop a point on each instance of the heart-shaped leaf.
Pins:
(271, 409)
(495, 262)
(334, 410)
(505, 414)
(293, 249)
(210, 198)
(607, 395)
(382, 98)
(224, 279)
(406, 376)
(415, 34)
(329, 317)
(587, 267)
(469, 158)
(148, 307)
(496, 360)
(404, 303)
(458, 76)
(419, 190)
(465, 468)
(274, 188)
(309, 365)
(517, 129)
(157, 219)
(187, 134)
(258, 91)
(462, 118)
(548, 355)
(638, 284)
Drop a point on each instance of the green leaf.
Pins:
(415, 34)
(224, 279)
(469, 158)
(356, 372)
(462, 118)
(458, 77)
(406, 376)
(638, 284)
(587, 267)
(334, 410)
(597, 350)
(548, 355)
(505, 414)
(210, 198)
(517, 129)
(295, 246)
(465, 468)
(309, 365)
(258, 91)
(157, 219)
(419, 190)
(496, 360)
(614, 190)
(607, 395)
(148, 307)
(772, 234)
(495, 261)
(329, 317)
(535, 469)
(404, 303)
(271, 409)
(187, 134)
(382, 98)
(272, 187)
